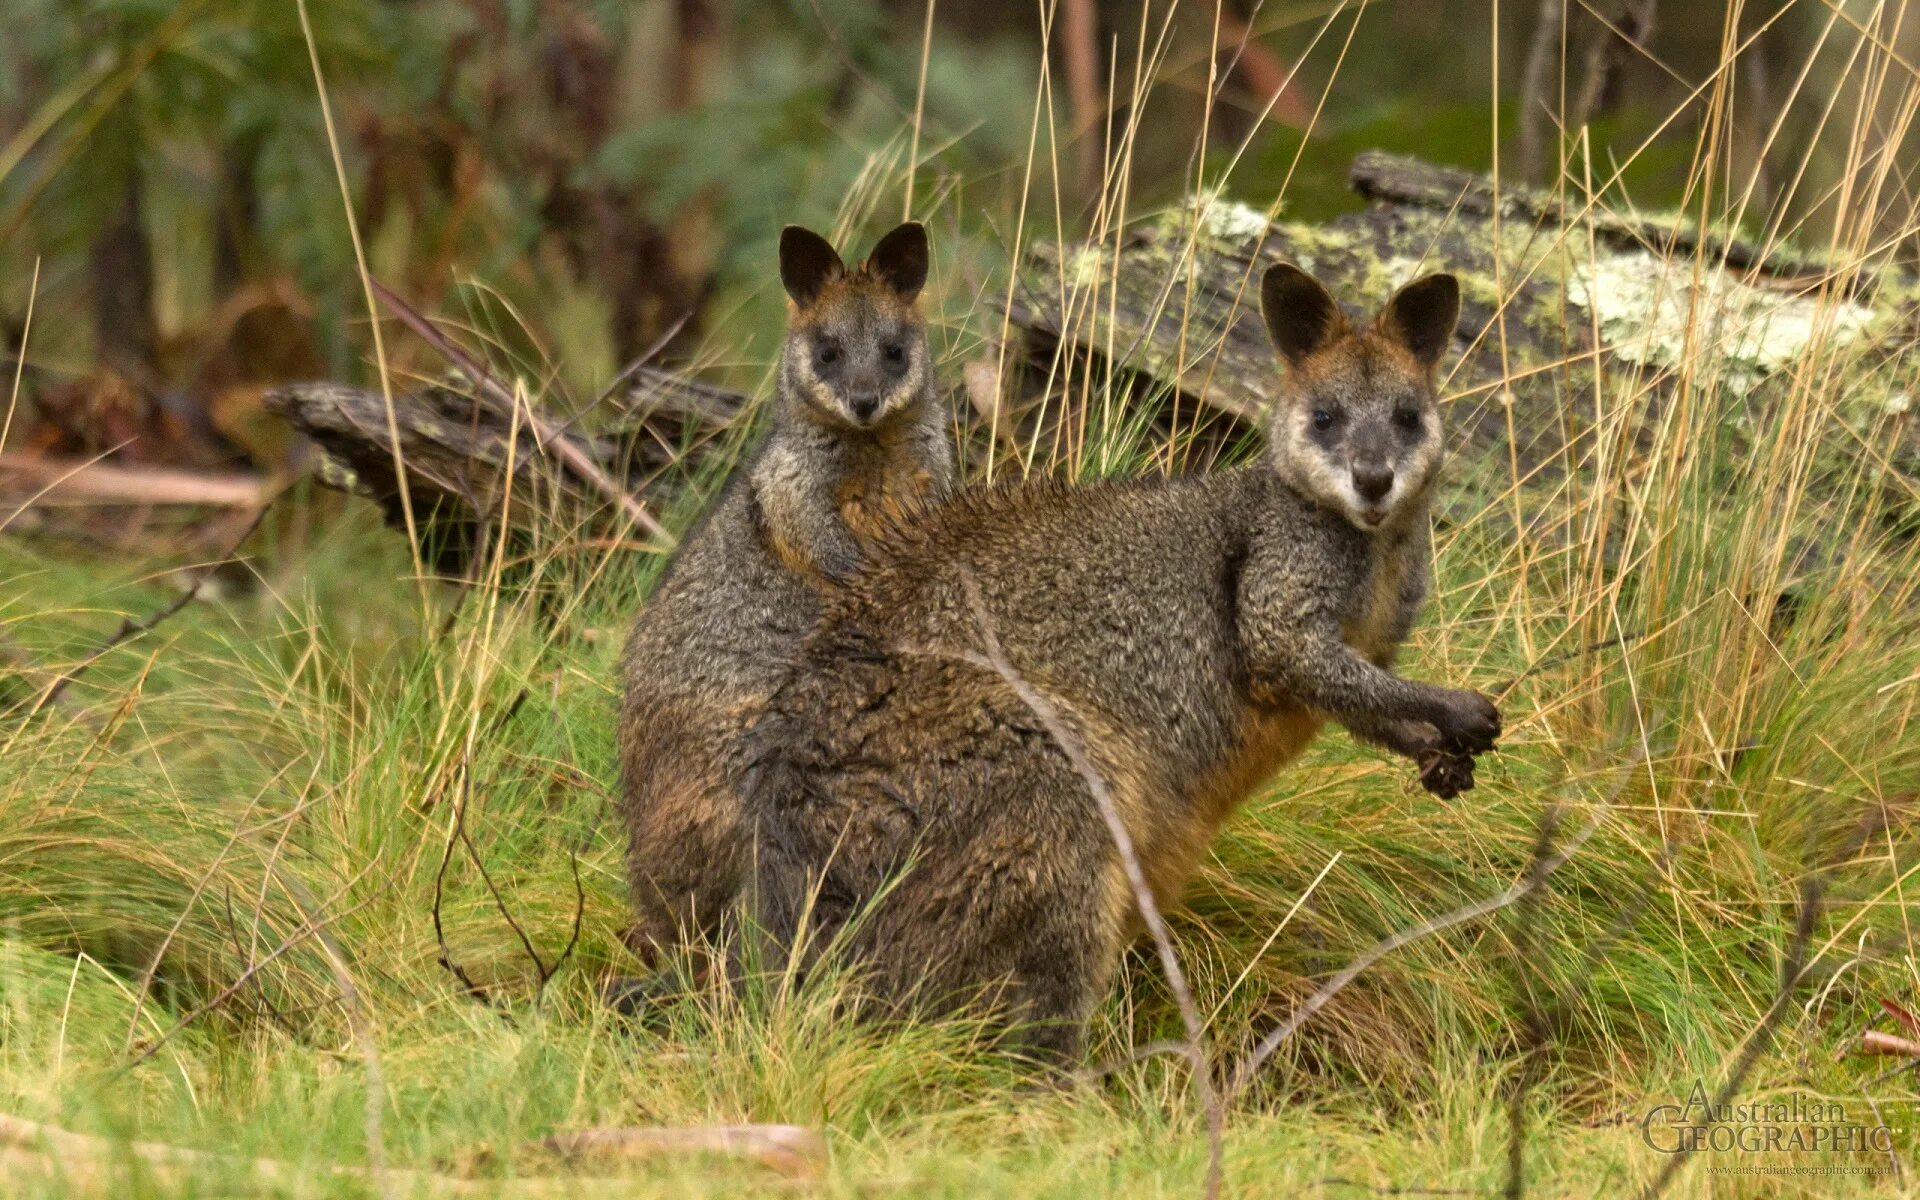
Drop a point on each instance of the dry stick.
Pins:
(1535, 1044)
(794, 1151)
(1793, 967)
(1071, 746)
(570, 453)
(446, 958)
(130, 628)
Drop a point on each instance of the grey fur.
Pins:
(745, 585)
(1195, 634)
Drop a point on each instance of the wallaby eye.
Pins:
(826, 353)
(1322, 419)
(895, 352)
(1407, 419)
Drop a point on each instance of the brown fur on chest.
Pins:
(874, 500)
(1368, 628)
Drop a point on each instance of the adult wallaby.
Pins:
(858, 439)
(1193, 633)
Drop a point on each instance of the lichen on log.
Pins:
(1552, 292)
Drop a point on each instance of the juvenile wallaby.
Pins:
(1193, 633)
(857, 440)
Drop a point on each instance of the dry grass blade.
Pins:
(1070, 745)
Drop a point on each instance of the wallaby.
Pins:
(1193, 633)
(858, 439)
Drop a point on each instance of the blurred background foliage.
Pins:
(615, 172)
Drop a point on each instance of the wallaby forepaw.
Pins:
(1471, 724)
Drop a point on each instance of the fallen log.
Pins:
(466, 463)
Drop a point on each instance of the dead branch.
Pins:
(794, 1151)
(130, 628)
(446, 958)
(80, 481)
(568, 451)
(543, 971)
(1070, 745)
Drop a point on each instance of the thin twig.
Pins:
(499, 901)
(1252, 1061)
(130, 628)
(1534, 1042)
(306, 929)
(1070, 744)
(627, 372)
(1621, 640)
(543, 971)
(1793, 968)
(446, 958)
(492, 390)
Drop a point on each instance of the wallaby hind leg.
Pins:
(685, 847)
(1065, 961)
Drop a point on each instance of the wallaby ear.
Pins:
(1301, 315)
(1421, 316)
(807, 262)
(900, 259)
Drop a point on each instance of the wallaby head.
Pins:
(856, 350)
(1357, 426)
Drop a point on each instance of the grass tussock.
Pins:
(223, 855)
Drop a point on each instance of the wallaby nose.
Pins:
(863, 407)
(1372, 481)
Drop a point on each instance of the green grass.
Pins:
(219, 855)
(302, 750)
